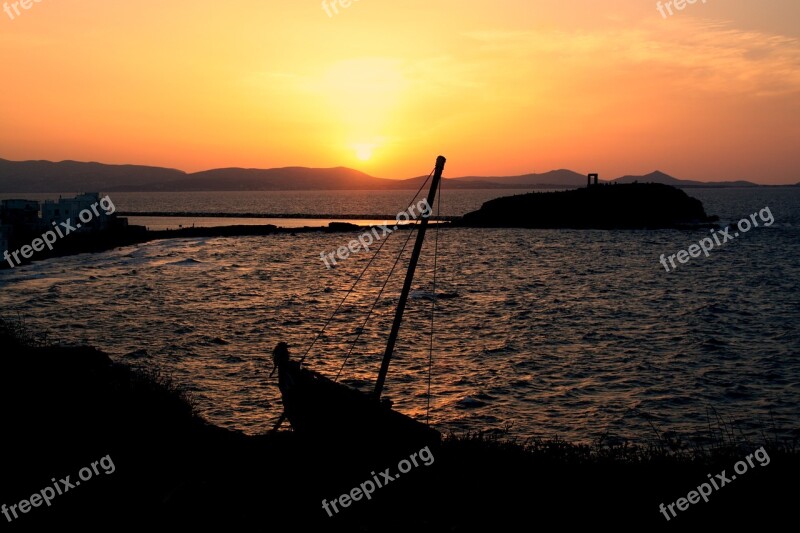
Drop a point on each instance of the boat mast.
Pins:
(412, 266)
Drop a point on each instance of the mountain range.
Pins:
(74, 176)
(660, 177)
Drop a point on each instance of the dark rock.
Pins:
(625, 206)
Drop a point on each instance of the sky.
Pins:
(507, 87)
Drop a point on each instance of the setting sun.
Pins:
(364, 151)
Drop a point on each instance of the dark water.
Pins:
(386, 203)
(557, 332)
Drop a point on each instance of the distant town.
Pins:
(30, 227)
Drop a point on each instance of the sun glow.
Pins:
(364, 151)
(364, 97)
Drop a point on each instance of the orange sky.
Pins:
(504, 87)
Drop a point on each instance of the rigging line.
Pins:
(375, 303)
(350, 291)
(347, 294)
(433, 303)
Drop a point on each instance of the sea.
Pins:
(576, 334)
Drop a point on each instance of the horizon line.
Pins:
(464, 176)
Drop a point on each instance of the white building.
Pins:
(70, 209)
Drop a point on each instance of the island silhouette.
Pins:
(597, 206)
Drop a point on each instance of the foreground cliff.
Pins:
(97, 445)
(625, 206)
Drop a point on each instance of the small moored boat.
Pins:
(319, 407)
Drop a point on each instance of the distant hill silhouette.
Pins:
(554, 178)
(75, 176)
(274, 179)
(447, 183)
(666, 179)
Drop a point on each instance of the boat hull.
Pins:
(320, 408)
